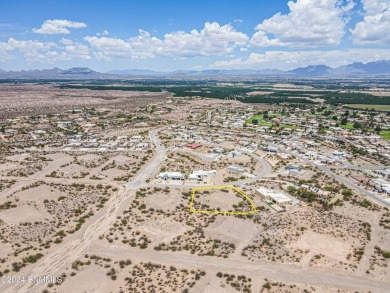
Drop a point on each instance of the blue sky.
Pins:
(169, 35)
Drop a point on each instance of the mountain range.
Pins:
(352, 70)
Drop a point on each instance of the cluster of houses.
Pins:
(336, 156)
(55, 132)
(227, 119)
(297, 148)
(193, 138)
(106, 143)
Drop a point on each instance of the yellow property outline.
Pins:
(219, 212)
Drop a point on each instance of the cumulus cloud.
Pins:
(33, 50)
(44, 52)
(292, 59)
(66, 41)
(52, 57)
(101, 56)
(103, 33)
(29, 44)
(213, 39)
(78, 50)
(36, 51)
(375, 27)
(4, 51)
(310, 23)
(58, 26)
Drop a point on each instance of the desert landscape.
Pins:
(112, 200)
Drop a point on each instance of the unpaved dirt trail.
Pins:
(22, 181)
(75, 246)
(79, 243)
(370, 248)
(258, 270)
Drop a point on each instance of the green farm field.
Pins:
(385, 134)
(371, 107)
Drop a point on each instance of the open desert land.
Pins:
(36, 99)
(158, 221)
(134, 200)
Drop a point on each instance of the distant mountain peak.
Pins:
(312, 70)
(376, 67)
(78, 70)
(380, 67)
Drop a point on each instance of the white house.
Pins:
(141, 146)
(236, 169)
(270, 195)
(136, 138)
(170, 176)
(340, 155)
(271, 149)
(233, 154)
(237, 125)
(217, 150)
(201, 174)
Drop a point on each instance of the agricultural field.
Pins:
(370, 107)
(385, 134)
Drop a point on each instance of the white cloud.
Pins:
(33, 51)
(292, 59)
(58, 26)
(66, 41)
(101, 56)
(375, 27)
(28, 45)
(310, 23)
(52, 57)
(213, 39)
(4, 51)
(103, 33)
(5, 47)
(110, 47)
(78, 51)
(44, 52)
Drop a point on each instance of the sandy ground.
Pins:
(25, 99)
(100, 232)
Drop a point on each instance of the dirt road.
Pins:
(75, 246)
(256, 270)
